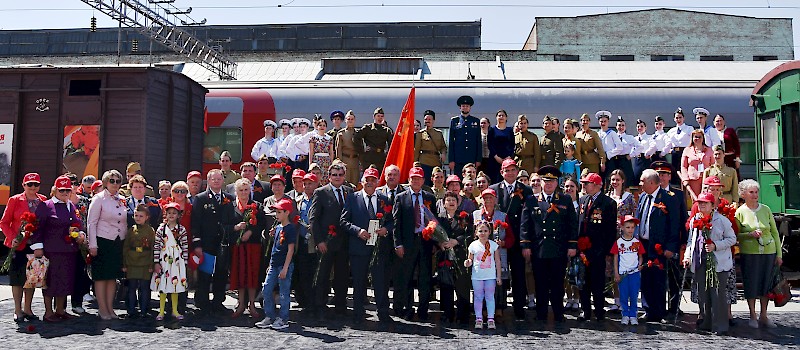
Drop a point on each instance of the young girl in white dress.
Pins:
(170, 252)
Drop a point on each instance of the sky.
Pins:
(505, 23)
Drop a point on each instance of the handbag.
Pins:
(781, 291)
(36, 272)
(445, 269)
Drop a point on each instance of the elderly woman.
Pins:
(702, 242)
(107, 224)
(695, 159)
(730, 143)
(459, 231)
(244, 222)
(164, 188)
(727, 176)
(57, 237)
(11, 225)
(760, 249)
(82, 282)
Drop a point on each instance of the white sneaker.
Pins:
(624, 320)
(633, 321)
(265, 323)
(89, 298)
(78, 310)
(279, 324)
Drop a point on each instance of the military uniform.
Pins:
(552, 148)
(592, 153)
(428, 149)
(375, 140)
(727, 175)
(527, 152)
(230, 176)
(347, 151)
(125, 190)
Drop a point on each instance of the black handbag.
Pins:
(781, 292)
(445, 269)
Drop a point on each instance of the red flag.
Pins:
(205, 120)
(401, 153)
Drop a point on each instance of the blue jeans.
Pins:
(629, 293)
(143, 288)
(284, 286)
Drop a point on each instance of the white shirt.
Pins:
(680, 139)
(612, 144)
(628, 255)
(265, 147)
(644, 228)
(283, 147)
(629, 143)
(367, 199)
(507, 186)
(483, 270)
(712, 136)
(298, 145)
(645, 144)
(659, 143)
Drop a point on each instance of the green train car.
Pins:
(776, 102)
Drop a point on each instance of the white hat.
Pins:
(270, 123)
(700, 110)
(304, 121)
(283, 122)
(599, 114)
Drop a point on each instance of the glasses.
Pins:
(114, 181)
(336, 174)
(64, 190)
(32, 184)
(180, 191)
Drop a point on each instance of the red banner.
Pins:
(401, 153)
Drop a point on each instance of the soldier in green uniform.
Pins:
(527, 152)
(429, 147)
(552, 144)
(549, 236)
(337, 117)
(134, 168)
(346, 150)
(373, 140)
(229, 175)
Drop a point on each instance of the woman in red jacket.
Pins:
(11, 222)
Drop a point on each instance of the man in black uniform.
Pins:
(549, 235)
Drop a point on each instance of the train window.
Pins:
(84, 87)
(566, 58)
(717, 58)
(222, 139)
(765, 58)
(666, 57)
(769, 143)
(747, 144)
(616, 58)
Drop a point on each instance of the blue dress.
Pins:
(501, 144)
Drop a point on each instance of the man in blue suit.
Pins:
(658, 232)
(138, 188)
(465, 144)
(674, 269)
(360, 209)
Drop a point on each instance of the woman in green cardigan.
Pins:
(760, 248)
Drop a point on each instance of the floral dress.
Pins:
(171, 250)
(321, 155)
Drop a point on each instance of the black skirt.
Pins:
(19, 263)
(757, 274)
(107, 265)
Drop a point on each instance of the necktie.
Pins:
(587, 216)
(644, 215)
(216, 197)
(510, 189)
(679, 130)
(391, 198)
(417, 216)
(370, 207)
(548, 198)
(339, 195)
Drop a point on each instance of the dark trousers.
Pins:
(215, 283)
(302, 164)
(519, 289)
(83, 283)
(461, 302)
(675, 159)
(549, 275)
(639, 165)
(611, 165)
(142, 287)
(335, 261)
(381, 276)
(428, 171)
(359, 269)
(713, 301)
(627, 168)
(654, 289)
(674, 279)
(594, 287)
(304, 269)
(418, 255)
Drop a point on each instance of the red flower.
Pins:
(387, 209)
(498, 224)
(379, 215)
(30, 227)
(332, 230)
(462, 215)
(296, 219)
(649, 263)
(253, 221)
(288, 168)
(709, 241)
(427, 232)
(584, 244)
(659, 250)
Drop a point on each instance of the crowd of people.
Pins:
(547, 224)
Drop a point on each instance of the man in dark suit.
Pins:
(549, 235)
(511, 198)
(138, 188)
(658, 214)
(208, 237)
(393, 187)
(409, 220)
(326, 210)
(674, 269)
(465, 145)
(598, 224)
(297, 183)
(360, 209)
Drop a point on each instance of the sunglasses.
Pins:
(64, 190)
(180, 191)
(33, 184)
(337, 174)
(115, 181)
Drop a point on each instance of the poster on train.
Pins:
(82, 149)
(6, 141)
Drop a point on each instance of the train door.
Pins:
(791, 154)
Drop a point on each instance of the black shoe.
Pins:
(423, 317)
(731, 322)
(30, 318)
(698, 322)
(601, 318)
(670, 316)
(358, 320)
(386, 319)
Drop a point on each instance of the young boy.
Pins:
(628, 253)
(137, 261)
(280, 267)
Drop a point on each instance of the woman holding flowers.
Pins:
(458, 226)
(18, 223)
(57, 237)
(760, 248)
(244, 221)
(708, 255)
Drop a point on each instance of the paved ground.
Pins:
(305, 332)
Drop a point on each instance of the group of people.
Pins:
(544, 219)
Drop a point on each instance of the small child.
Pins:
(137, 261)
(628, 253)
(170, 252)
(570, 167)
(280, 267)
(485, 271)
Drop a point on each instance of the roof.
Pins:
(663, 9)
(686, 71)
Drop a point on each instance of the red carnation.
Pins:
(296, 219)
(584, 244)
(30, 227)
(379, 215)
(709, 241)
(387, 209)
(462, 215)
(253, 221)
(332, 230)
(288, 168)
(659, 250)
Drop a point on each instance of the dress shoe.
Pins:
(601, 318)
(66, 316)
(30, 317)
(52, 319)
(18, 318)
(385, 319)
(582, 317)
